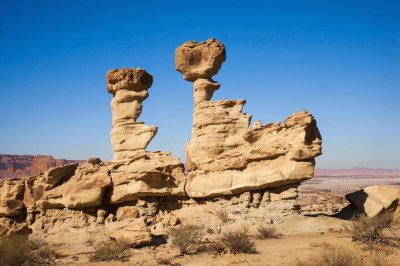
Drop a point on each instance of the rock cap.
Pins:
(199, 60)
(132, 79)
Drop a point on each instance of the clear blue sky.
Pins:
(338, 59)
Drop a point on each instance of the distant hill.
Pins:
(18, 166)
(358, 171)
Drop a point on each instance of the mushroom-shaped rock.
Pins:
(199, 60)
(132, 79)
(225, 156)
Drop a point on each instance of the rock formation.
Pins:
(225, 156)
(134, 171)
(250, 172)
(374, 200)
(18, 166)
(71, 186)
(11, 197)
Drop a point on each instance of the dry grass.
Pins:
(15, 250)
(239, 241)
(370, 231)
(110, 250)
(267, 232)
(339, 256)
(168, 262)
(18, 250)
(222, 215)
(186, 235)
(215, 248)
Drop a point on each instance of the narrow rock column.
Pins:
(129, 86)
(198, 63)
(135, 172)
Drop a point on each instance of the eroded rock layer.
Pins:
(134, 171)
(228, 156)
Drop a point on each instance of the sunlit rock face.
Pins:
(134, 171)
(226, 155)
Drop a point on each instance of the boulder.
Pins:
(199, 60)
(10, 226)
(374, 200)
(225, 155)
(127, 212)
(131, 231)
(80, 189)
(11, 197)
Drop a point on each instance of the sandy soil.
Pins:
(303, 237)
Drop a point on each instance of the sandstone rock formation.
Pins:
(134, 171)
(18, 166)
(70, 186)
(374, 200)
(11, 197)
(251, 172)
(225, 156)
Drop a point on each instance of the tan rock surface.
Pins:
(84, 187)
(199, 60)
(134, 171)
(374, 200)
(11, 197)
(132, 231)
(225, 156)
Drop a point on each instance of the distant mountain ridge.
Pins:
(358, 171)
(18, 166)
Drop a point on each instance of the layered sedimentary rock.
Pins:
(70, 186)
(228, 156)
(11, 197)
(19, 166)
(134, 171)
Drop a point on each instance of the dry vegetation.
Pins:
(267, 232)
(186, 235)
(239, 241)
(370, 231)
(15, 250)
(222, 215)
(110, 250)
(18, 250)
(339, 256)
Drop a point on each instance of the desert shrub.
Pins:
(186, 235)
(370, 230)
(37, 242)
(267, 232)
(239, 241)
(215, 248)
(339, 256)
(222, 215)
(46, 253)
(110, 250)
(164, 261)
(15, 250)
